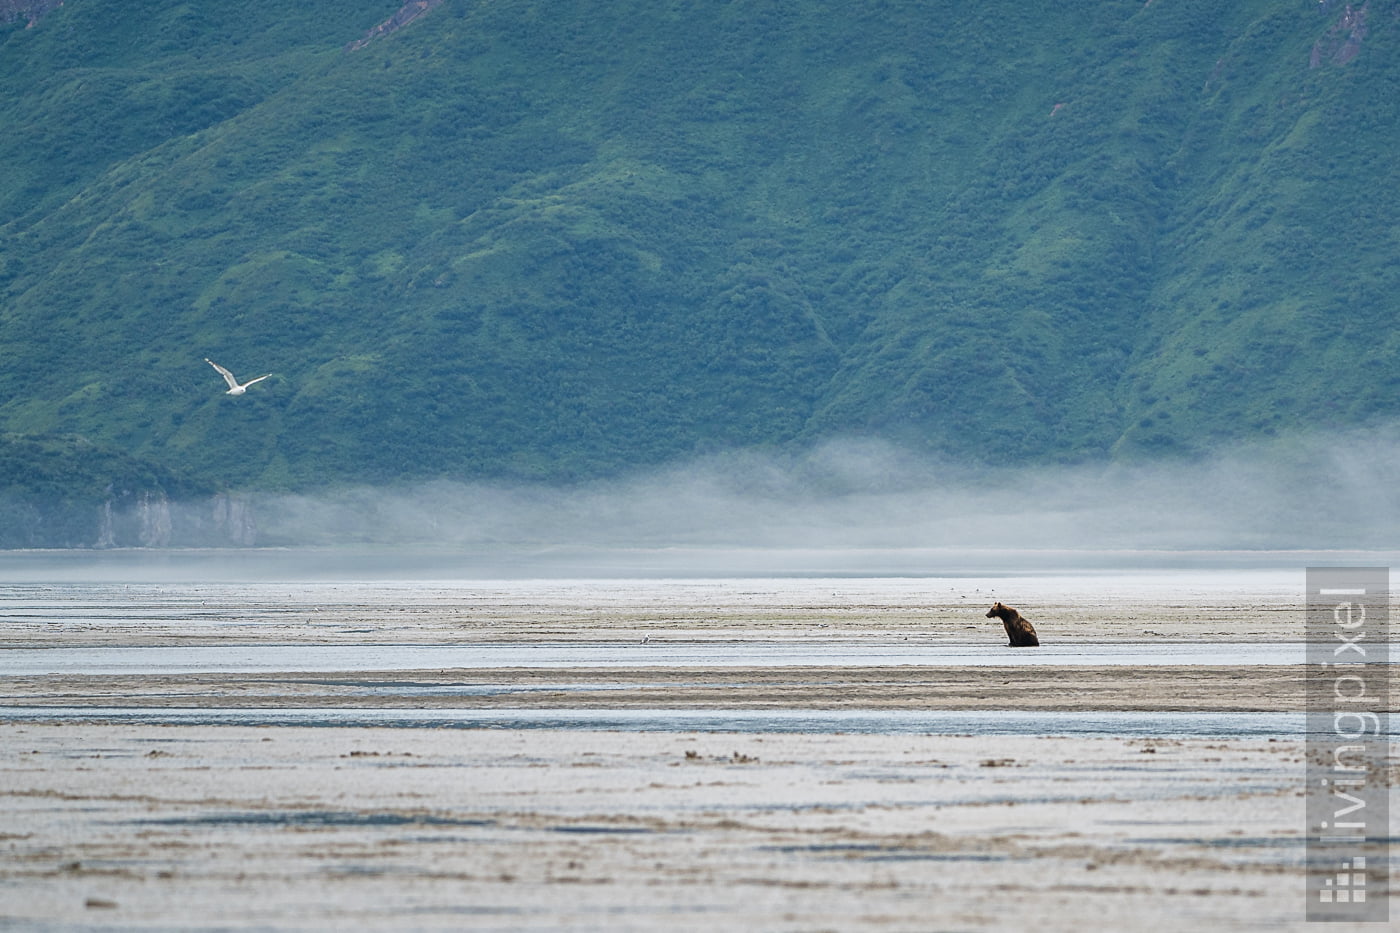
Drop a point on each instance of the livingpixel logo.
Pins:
(1349, 887)
(1348, 741)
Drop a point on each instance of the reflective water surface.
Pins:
(888, 722)
(321, 658)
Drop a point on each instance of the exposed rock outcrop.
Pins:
(231, 518)
(406, 14)
(62, 491)
(31, 11)
(1342, 42)
(147, 519)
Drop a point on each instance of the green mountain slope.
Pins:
(558, 240)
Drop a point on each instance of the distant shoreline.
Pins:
(586, 561)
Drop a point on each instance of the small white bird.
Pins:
(233, 387)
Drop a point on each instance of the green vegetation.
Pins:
(556, 241)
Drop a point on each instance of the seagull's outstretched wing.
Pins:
(251, 381)
(228, 376)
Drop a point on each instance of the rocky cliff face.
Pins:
(145, 519)
(63, 491)
(230, 518)
(153, 520)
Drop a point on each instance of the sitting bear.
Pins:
(1018, 627)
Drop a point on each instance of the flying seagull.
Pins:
(233, 387)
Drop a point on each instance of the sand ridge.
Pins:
(1164, 688)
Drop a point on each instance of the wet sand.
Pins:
(287, 828)
(1165, 688)
(142, 824)
(1104, 608)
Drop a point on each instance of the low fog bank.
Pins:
(1332, 491)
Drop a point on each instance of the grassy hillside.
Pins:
(559, 240)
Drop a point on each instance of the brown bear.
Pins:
(1018, 627)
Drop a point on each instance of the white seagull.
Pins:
(233, 387)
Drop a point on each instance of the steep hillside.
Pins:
(561, 240)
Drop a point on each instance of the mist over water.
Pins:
(844, 508)
(1336, 491)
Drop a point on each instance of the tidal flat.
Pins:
(801, 753)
